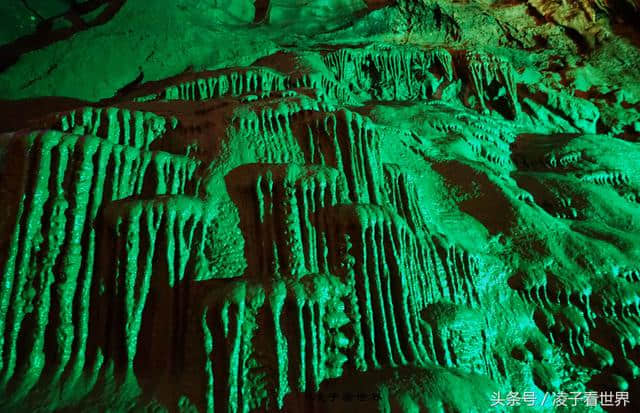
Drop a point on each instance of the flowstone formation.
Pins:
(338, 206)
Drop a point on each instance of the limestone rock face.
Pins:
(345, 205)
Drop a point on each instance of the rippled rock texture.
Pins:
(331, 206)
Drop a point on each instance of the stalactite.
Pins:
(392, 74)
(384, 249)
(180, 223)
(119, 126)
(212, 85)
(454, 267)
(403, 197)
(305, 349)
(350, 143)
(283, 211)
(484, 70)
(50, 260)
(270, 123)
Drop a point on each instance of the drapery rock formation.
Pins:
(332, 206)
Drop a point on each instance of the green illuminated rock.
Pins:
(343, 205)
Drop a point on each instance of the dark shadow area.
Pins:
(16, 114)
(262, 11)
(47, 34)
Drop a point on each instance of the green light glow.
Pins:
(343, 205)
